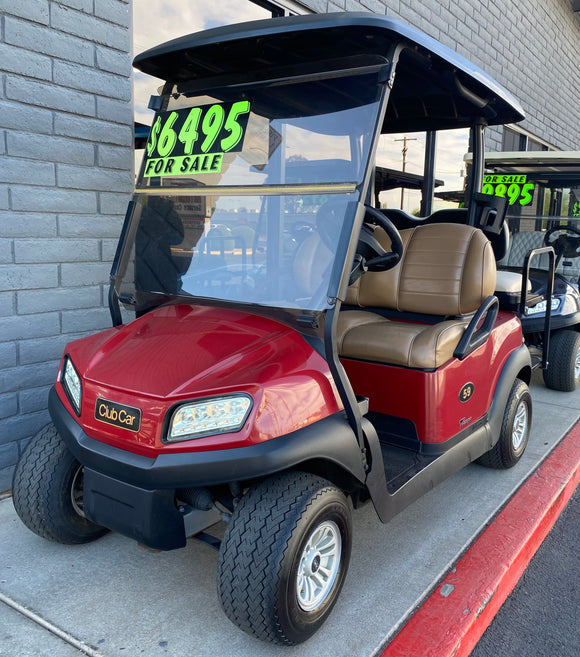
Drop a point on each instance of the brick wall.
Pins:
(65, 176)
(531, 47)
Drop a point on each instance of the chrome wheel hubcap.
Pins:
(577, 366)
(319, 564)
(520, 426)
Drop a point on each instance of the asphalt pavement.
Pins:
(541, 618)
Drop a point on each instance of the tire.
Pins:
(276, 546)
(563, 371)
(515, 430)
(47, 491)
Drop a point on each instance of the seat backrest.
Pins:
(520, 244)
(446, 270)
(524, 241)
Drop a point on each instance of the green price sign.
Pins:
(194, 140)
(514, 187)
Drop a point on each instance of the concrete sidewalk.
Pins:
(120, 600)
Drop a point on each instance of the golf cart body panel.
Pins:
(452, 399)
(330, 441)
(236, 352)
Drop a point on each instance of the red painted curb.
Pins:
(453, 618)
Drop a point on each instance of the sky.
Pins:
(156, 21)
(449, 166)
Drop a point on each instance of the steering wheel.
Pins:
(567, 243)
(370, 255)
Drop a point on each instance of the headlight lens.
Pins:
(541, 307)
(208, 417)
(71, 382)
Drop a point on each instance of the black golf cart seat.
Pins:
(445, 274)
(520, 244)
(524, 241)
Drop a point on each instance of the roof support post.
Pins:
(429, 174)
(478, 162)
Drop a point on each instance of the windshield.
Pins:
(242, 196)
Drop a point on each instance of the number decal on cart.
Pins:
(466, 393)
(194, 140)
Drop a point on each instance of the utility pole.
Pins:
(404, 151)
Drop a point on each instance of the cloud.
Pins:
(157, 21)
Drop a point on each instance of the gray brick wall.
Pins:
(532, 47)
(65, 178)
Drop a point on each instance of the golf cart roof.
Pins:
(439, 89)
(553, 168)
(387, 179)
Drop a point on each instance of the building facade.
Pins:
(66, 163)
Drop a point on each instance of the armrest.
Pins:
(474, 337)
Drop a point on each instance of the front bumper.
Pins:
(135, 495)
(537, 324)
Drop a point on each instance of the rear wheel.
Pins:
(515, 430)
(284, 557)
(47, 491)
(563, 372)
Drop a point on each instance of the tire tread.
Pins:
(499, 456)
(252, 544)
(564, 345)
(36, 495)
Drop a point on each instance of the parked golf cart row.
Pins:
(559, 355)
(282, 385)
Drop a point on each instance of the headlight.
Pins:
(71, 383)
(208, 417)
(541, 307)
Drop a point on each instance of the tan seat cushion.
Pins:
(446, 269)
(368, 336)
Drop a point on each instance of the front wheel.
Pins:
(47, 491)
(515, 430)
(284, 557)
(563, 372)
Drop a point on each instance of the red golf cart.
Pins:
(293, 354)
